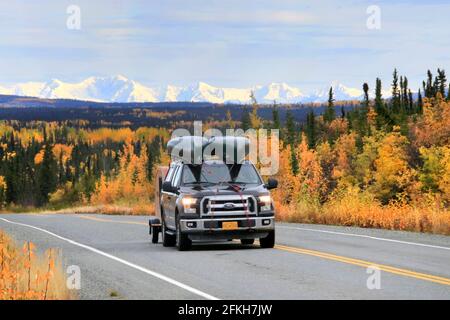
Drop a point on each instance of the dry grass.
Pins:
(24, 275)
(358, 210)
(113, 209)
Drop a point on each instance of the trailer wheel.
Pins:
(268, 241)
(155, 234)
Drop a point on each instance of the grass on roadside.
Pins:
(26, 275)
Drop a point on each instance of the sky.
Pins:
(228, 43)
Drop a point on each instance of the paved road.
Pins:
(115, 254)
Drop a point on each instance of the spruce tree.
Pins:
(245, 120)
(311, 129)
(395, 93)
(429, 90)
(291, 138)
(405, 98)
(442, 82)
(329, 114)
(419, 102)
(275, 117)
(47, 176)
(380, 108)
(410, 101)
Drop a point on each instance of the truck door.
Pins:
(172, 201)
(166, 197)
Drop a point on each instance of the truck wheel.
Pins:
(168, 240)
(269, 241)
(247, 241)
(182, 240)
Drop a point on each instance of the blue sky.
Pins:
(225, 43)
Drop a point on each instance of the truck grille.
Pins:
(228, 205)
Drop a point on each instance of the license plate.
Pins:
(229, 225)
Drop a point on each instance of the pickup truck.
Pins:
(213, 201)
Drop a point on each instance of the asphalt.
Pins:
(118, 261)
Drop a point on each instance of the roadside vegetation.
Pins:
(26, 275)
(381, 163)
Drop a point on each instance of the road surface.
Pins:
(118, 261)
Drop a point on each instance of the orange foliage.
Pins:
(310, 170)
(434, 127)
(25, 275)
(392, 173)
(62, 149)
(130, 184)
(39, 157)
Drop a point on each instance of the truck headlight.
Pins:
(266, 203)
(189, 204)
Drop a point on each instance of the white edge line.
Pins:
(366, 236)
(132, 265)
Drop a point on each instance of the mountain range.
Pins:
(121, 89)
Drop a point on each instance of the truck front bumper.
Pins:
(247, 228)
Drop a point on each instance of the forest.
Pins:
(381, 162)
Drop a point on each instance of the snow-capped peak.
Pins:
(119, 88)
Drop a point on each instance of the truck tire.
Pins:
(168, 240)
(247, 241)
(269, 241)
(182, 240)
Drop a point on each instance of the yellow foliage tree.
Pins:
(393, 174)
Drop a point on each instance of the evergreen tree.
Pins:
(291, 140)
(329, 114)
(395, 94)
(410, 101)
(380, 107)
(275, 117)
(429, 90)
(291, 134)
(294, 161)
(419, 102)
(441, 81)
(245, 120)
(311, 129)
(47, 176)
(405, 98)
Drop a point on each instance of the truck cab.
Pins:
(214, 201)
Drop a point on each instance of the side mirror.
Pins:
(271, 183)
(167, 187)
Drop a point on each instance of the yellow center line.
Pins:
(324, 255)
(365, 264)
(111, 220)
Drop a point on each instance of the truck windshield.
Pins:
(219, 173)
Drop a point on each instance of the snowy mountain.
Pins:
(121, 89)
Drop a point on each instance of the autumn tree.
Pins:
(393, 173)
